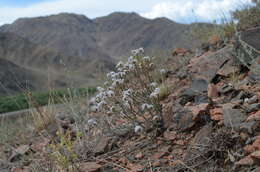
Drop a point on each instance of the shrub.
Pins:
(63, 153)
(132, 93)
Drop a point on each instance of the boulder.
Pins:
(209, 64)
(182, 119)
(233, 118)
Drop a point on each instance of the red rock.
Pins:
(217, 117)
(135, 167)
(180, 142)
(212, 91)
(140, 155)
(249, 149)
(248, 160)
(170, 135)
(254, 117)
(256, 144)
(90, 167)
(156, 164)
(216, 114)
(255, 154)
(162, 152)
(40, 145)
(198, 109)
(123, 160)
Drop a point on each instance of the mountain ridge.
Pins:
(87, 47)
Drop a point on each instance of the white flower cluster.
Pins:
(155, 93)
(137, 51)
(139, 129)
(101, 99)
(146, 106)
(127, 97)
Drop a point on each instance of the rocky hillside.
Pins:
(208, 120)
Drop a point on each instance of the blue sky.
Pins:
(183, 11)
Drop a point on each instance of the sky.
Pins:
(182, 11)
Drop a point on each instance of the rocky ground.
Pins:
(210, 123)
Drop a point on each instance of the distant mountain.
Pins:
(36, 67)
(105, 37)
(84, 47)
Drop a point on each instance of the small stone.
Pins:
(252, 100)
(123, 160)
(256, 154)
(135, 167)
(164, 151)
(140, 155)
(180, 142)
(212, 91)
(249, 149)
(170, 135)
(90, 167)
(216, 114)
(254, 117)
(256, 144)
(20, 151)
(156, 164)
(102, 145)
(246, 161)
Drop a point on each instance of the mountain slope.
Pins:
(14, 79)
(120, 32)
(110, 36)
(72, 48)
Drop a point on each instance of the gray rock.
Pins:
(248, 127)
(233, 118)
(256, 170)
(252, 100)
(200, 143)
(253, 107)
(183, 119)
(199, 85)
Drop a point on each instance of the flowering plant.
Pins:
(131, 92)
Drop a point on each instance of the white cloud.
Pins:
(202, 10)
(91, 8)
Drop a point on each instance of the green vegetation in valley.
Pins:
(21, 101)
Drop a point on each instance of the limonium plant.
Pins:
(131, 92)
